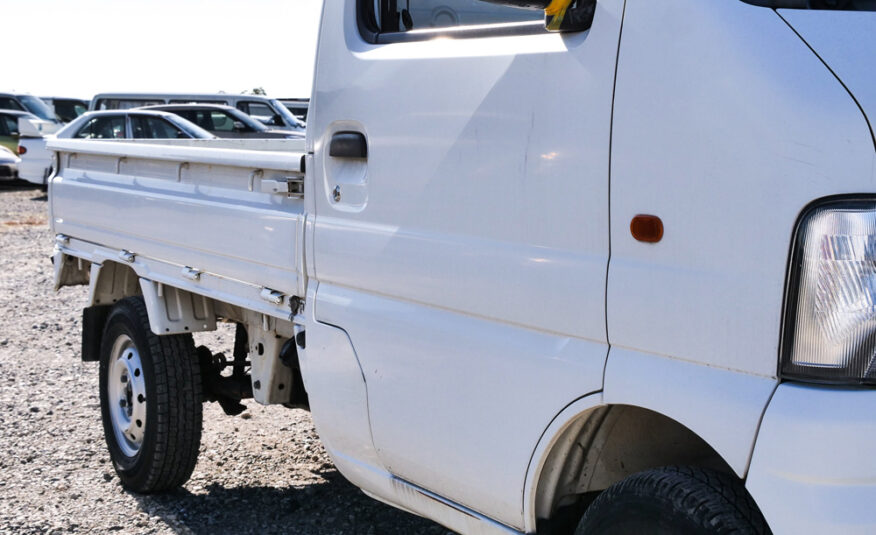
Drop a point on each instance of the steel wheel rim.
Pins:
(126, 395)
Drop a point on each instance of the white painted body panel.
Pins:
(185, 204)
(466, 260)
(813, 469)
(846, 41)
(36, 162)
(751, 128)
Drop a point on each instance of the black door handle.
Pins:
(348, 145)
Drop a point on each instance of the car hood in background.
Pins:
(846, 42)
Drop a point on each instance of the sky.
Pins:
(76, 48)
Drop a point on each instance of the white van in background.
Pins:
(267, 110)
(66, 109)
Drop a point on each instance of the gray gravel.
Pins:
(262, 472)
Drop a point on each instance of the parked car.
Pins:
(267, 110)
(36, 160)
(29, 103)
(16, 126)
(9, 130)
(66, 109)
(225, 121)
(620, 279)
(8, 164)
(298, 107)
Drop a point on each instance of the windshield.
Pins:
(191, 128)
(245, 119)
(37, 107)
(288, 118)
(846, 5)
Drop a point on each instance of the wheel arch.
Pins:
(110, 282)
(598, 445)
(653, 411)
(171, 310)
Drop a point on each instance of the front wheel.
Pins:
(150, 399)
(675, 500)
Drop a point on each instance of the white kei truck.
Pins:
(609, 269)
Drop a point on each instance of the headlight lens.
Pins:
(833, 318)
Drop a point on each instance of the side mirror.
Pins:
(239, 126)
(559, 15)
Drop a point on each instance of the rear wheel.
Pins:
(674, 501)
(150, 398)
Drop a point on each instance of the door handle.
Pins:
(348, 145)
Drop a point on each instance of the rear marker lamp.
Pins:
(832, 296)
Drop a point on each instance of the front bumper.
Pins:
(814, 466)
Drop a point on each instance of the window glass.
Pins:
(125, 103)
(106, 127)
(259, 110)
(37, 107)
(67, 110)
(223, 122)
(196, 101)
(9, 124)
(401, 15)
(146, 127)
(7, 103)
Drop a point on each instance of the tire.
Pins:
(674, 500)
(150, 400)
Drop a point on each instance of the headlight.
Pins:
(831, 317)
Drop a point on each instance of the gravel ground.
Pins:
(264, 471)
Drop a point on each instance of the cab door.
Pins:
(460, 234)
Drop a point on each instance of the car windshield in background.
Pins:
(147, 127)
(844, 5)
(216, 119)
(286, 114)
(7, 103)
(67, 110)
(191, 128)
(223, 120)
(37, 107)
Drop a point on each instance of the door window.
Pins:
(393, 16)
(124, 103)
(146, 127)
(196, 101)
(106, 127)
(8, 125)
(259, 110)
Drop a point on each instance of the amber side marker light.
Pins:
(647, 228)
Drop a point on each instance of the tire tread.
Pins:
(716, 502)
(179, 411)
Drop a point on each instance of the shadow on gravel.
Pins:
(17, 185)
(332, 507)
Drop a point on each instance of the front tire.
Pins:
(675, 500)
(150, 400)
